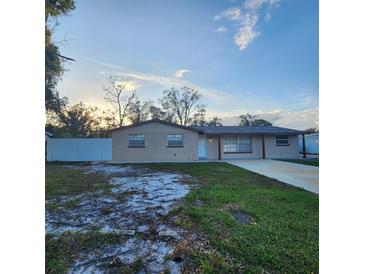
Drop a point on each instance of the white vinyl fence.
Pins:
(79, 149)
(311, 143)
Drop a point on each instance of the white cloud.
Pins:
(247, 17)
(303, 119)
(163, 81)
(127, 85)
(246, 33)
(233, 14)
(257, 4)
(180, 73)
(254, 4)
(221, 29)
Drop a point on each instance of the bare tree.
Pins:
(119, 97)
(182, 104)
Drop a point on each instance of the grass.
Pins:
(64, 181)
(308, 161)
(284, 238)
(60, 252)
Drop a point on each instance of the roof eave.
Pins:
(156, 121)
(254, 133)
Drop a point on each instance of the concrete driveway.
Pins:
(299, 175)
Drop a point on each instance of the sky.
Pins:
(257, 56)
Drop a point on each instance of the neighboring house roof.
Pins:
(261, 130)
(158, 121)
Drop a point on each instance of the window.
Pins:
(282, 140)
(136, 140)
(229, 144)
(244, 144)
(237, 144)
(175, 140)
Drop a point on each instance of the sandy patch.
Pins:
(133, 208)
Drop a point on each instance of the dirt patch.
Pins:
(239, 215)
(242, 217)
(134, 208)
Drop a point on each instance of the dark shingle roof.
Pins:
(263, 130)
(157, 121)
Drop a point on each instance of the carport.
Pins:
(249, 142)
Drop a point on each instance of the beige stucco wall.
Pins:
(155, 149)
(282, 152)
(271, 150)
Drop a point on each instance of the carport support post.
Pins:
(304, 150)
(263, 147)
(219, 148)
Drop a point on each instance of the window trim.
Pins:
(136, 146)
(282, 138)
(236, 139)
(172, 146)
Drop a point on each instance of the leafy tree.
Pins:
(106, 122)
(139, 111)
(56, 8)
(78, 120)
(54, 61)
(117, 94)
(252, 120)
(182, 105)
(81, 121)
(311, 130)
(199, 118)
(260, 123)
(247, 119)
(158, 113)
(215, 122)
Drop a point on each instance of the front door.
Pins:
(202, 147)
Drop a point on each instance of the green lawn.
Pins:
(284, 238)
(63, 181)
(308, 161)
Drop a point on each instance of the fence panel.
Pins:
(79, 149)
(311, 143)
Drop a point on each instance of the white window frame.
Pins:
(131, 145)
(282, 138)
(169, 136)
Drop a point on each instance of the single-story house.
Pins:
(160, 141)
